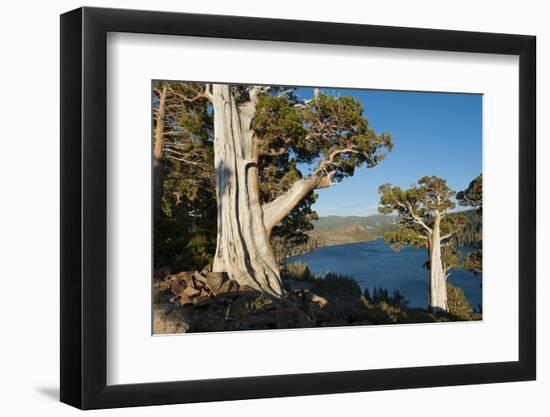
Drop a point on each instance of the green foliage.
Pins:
(293, 230)
(291, 131)
(185, 230)
(451, 258)
(336, 123)
(278, 124)
(431, 194)
(185, 233)
(474, 262)
(279, 128)
(453, 224)
(473, 195)
(417, 208)
(381, 295)
(336, 286)
(329, 131)
(471, 233)
(277, 176)
(184, 119)
(384, 313)
(424, 220)
(410, 235)
(458, 304)
(384, 309)
(312, 129)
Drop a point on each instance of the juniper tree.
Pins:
(260, 135)
(424, 222)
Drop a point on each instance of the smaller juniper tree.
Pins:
(424, 222)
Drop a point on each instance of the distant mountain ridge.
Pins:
(338, 230)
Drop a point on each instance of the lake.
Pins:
(375, 264)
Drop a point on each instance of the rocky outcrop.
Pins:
(194, 288)
(169, 319)
(206, 301)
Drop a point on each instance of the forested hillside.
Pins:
(471, 234)
(377, 223)
(336, 230)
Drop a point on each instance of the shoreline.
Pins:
(330, 246)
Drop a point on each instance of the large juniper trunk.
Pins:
(243, 249)
(437, 298)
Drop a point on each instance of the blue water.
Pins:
(375, 264)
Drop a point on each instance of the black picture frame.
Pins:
(84, 207)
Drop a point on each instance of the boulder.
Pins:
(183, 299)
(183, 276)
(200, 280)
(161, 285)
(214, 281)
(229, 286)
(319, 300)
(191, 292)
(176, 286)
(317, 308)
(205, 293)
(167, 319)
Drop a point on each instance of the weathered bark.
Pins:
(278, 209)
(243, 250)
(437, 297)
(158, 146)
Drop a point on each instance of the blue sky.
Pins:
(433, 134)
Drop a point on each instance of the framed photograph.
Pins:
(258, 208)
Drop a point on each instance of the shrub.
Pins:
(336, 285)
(381, 295)
(458, 305)
(298, 271)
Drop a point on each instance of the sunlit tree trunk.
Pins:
(437, 297)
(243, 250)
